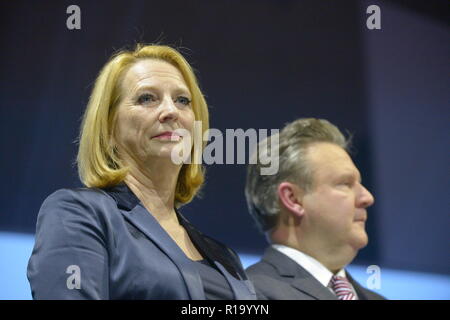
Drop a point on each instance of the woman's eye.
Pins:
(146, 98)
(183, 100)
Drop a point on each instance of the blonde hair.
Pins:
(97, 160)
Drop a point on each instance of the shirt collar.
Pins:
(314, 267)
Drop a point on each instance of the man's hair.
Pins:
(294, 140)
(98, 162)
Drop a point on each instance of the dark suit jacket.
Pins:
(278, 277)
(119, 251)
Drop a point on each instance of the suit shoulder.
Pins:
(78, 197)
(268, 285)
(84, 203)
(87, 194)
(260, 268)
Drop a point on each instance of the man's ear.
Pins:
(291, 197)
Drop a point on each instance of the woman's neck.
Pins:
(155, 186)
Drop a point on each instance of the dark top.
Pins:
(214, 283)
(95, 243)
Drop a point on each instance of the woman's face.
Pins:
(155, 101)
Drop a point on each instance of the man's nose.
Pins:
(366, 198)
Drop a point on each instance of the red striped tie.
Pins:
(342, 288)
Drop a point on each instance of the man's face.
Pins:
(335, 207)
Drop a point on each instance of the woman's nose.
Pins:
(169, 111)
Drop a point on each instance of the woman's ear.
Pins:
(291, 197)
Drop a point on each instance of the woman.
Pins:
(122, 236)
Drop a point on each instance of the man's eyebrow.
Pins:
(353, 175)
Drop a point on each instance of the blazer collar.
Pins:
(301, 279)
(125, 198)
(133, 211)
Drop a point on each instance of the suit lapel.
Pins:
(310, 286)
(360, 291)
(298, 277)
(138, 216)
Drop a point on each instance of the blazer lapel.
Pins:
(132, 209)
(302, 280)
(242, 289)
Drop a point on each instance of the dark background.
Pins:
(261, 64)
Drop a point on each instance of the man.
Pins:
(313, 212)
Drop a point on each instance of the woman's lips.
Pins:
(168, 135)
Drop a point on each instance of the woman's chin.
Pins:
(172, 153)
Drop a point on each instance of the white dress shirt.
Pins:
(314, 267)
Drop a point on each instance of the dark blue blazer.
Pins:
(103, 244)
